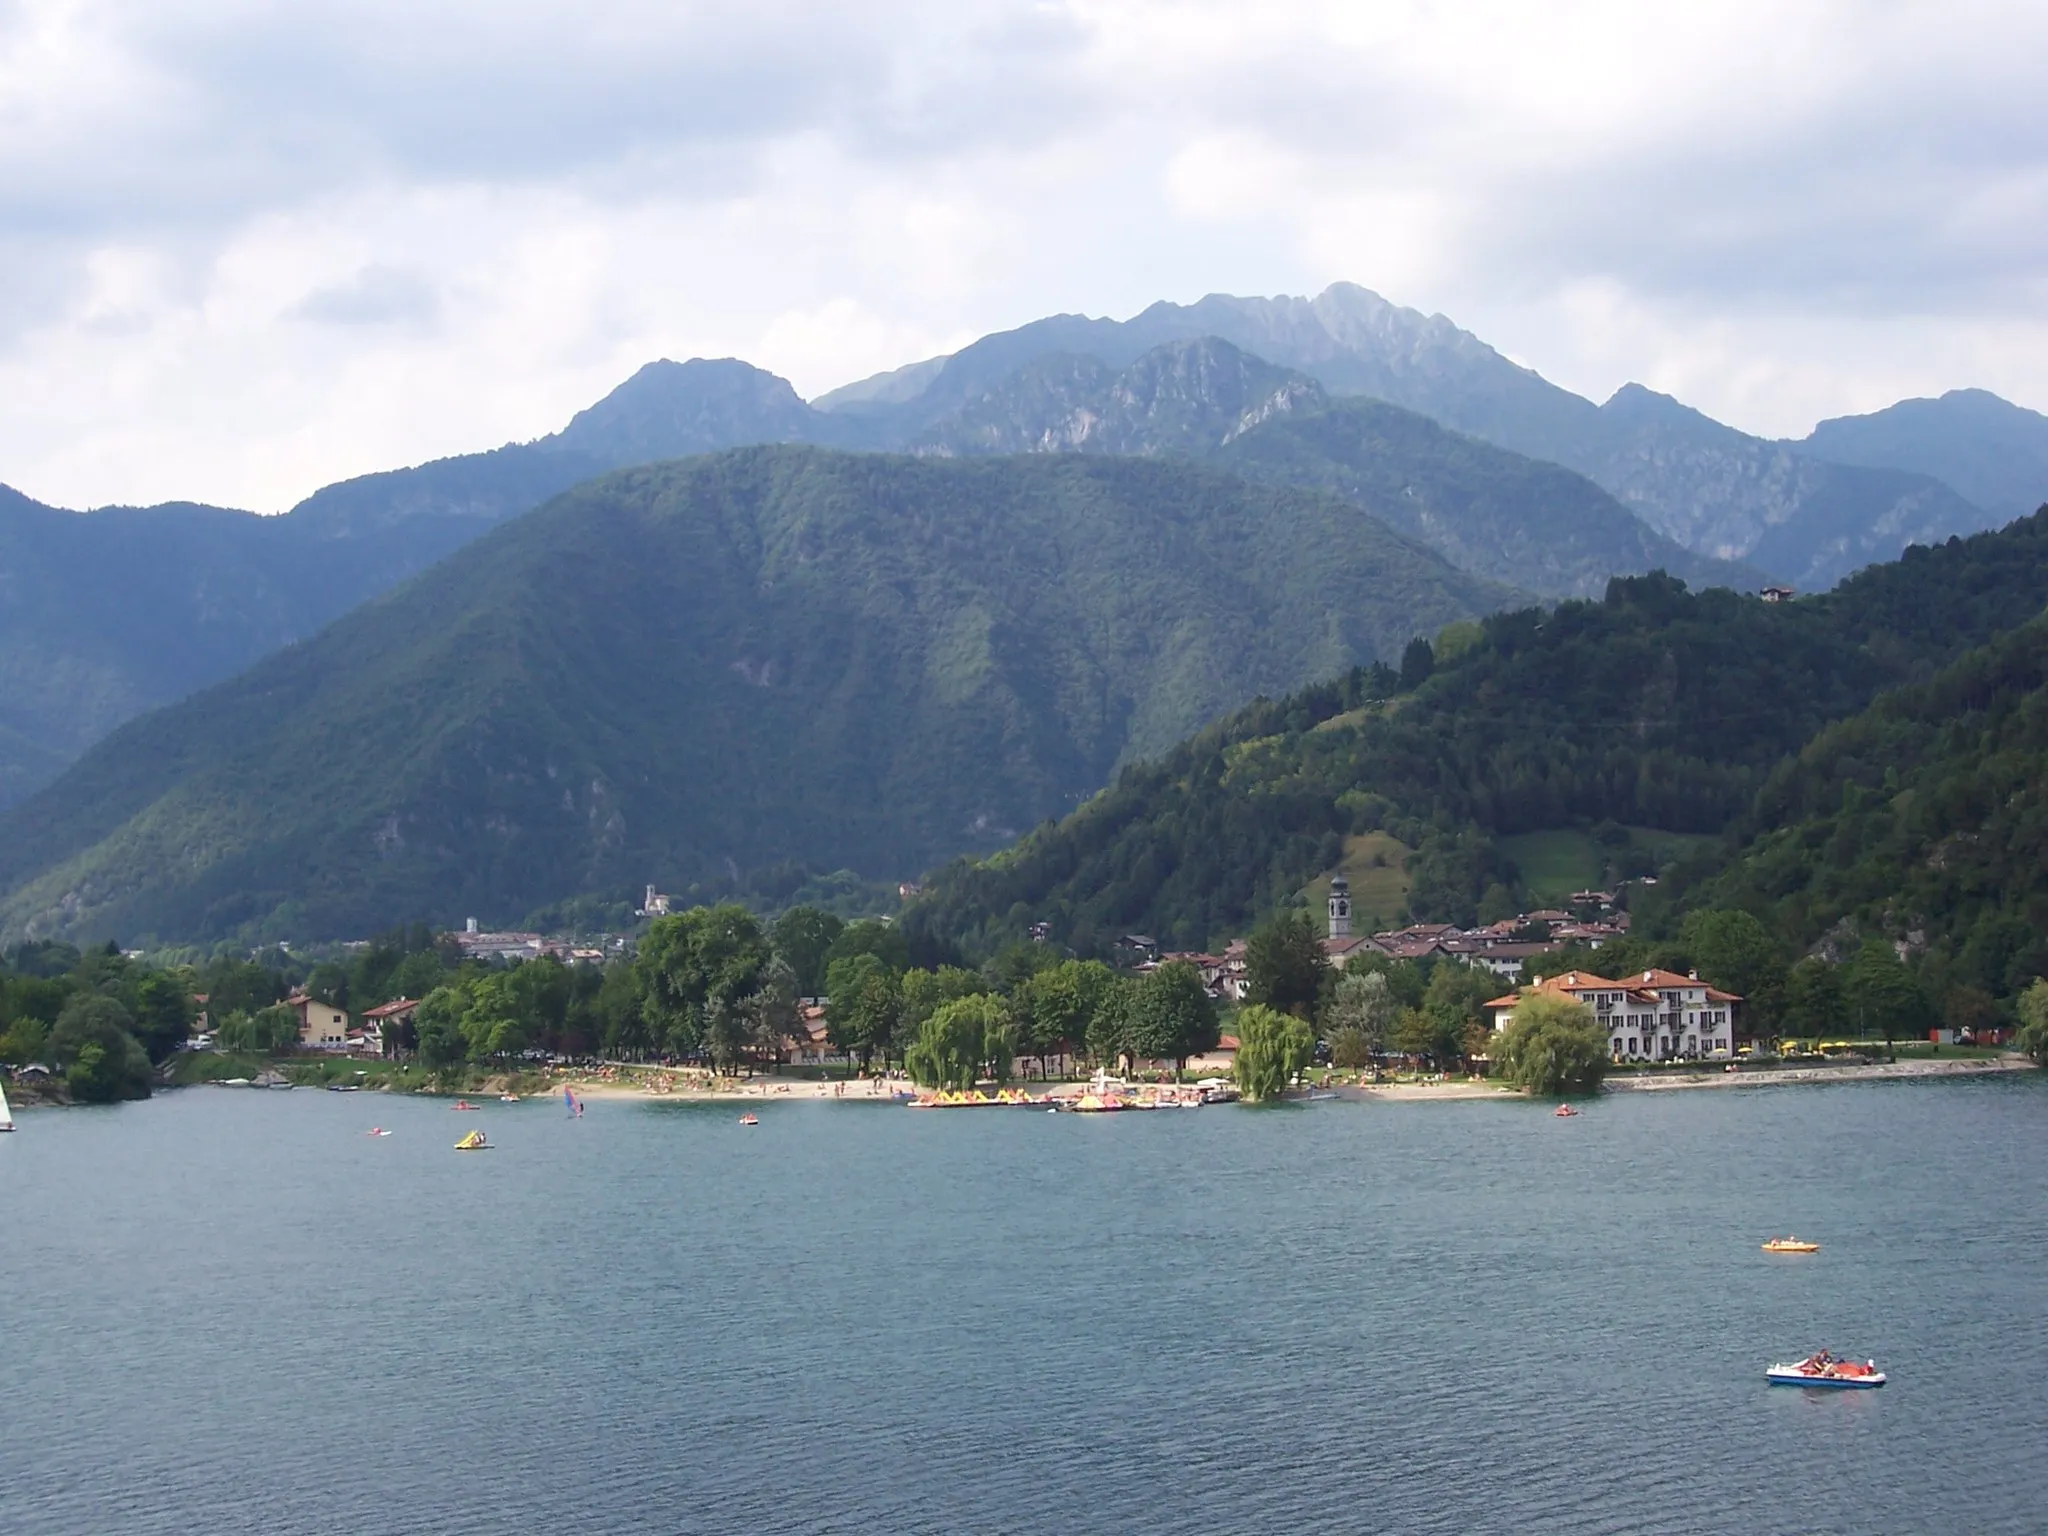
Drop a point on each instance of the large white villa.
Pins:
(1655, 1016)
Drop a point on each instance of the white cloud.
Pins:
(248, 248)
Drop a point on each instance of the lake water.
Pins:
(233, 1312)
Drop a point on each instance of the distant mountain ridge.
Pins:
(717, 664)
(1487, 509)
(1718, 491)
(126, 609)
(1990, 450)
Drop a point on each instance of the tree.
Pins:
(802, 936)
(922, 993)
(1735, 952)
(438, 1022)
(1814, 1004)
(163, 1014)
(775, 1011)
(1108, 1034)
(271, 1031)
(2032, 1008)
(1271, 1047)
(104, 1061)
(1882, 993)
(1061, 1002)
(870, 936)
(696, 961)
(1284, 964)
(861, 1008)
(1172, 1016)
(957, 1041)
(1554, 1046)
(1418, 660)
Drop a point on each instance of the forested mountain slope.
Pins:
(716, 665)
(1654, 707)
(106, 614)
(1922, 821)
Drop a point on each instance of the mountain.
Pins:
(1990, 450)
(1654, 709)
(723, 663)
(1489, 511)
(671, 410)
(1718, 491)
(106, 614)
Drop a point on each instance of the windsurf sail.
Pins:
(571, 1104)
(6, 1114)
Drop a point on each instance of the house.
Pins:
(811, 1043)
(322, 1026)
(385, 1024)
(1778, 594)
(653, 904)
(1654, 1016)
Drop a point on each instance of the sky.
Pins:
(248, 247)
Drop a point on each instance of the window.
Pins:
(1692, 1044)
(1632, 1045)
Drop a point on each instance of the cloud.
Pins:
(377, 295)
(250, 247)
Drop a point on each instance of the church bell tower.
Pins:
(1340, 908)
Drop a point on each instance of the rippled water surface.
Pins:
(233, 1312)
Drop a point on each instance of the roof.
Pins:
(395, 1006)
(1565, 985)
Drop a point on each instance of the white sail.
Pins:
(6, 1114)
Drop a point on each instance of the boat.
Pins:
(376, 1130)
(465, 1104)
(6, 1114)
(750, 1119)
(1822, 1369)
(1563, 1110)
(344, 1087)
(508, 1098)
(473, 1142)
(1790, 1245)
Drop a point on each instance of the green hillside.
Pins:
(703, 668)
(1654, 708)
(1923, 821)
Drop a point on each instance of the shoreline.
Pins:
(1873, 1071)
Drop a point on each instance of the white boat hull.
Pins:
(1792, 1376)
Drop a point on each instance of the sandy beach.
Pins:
(654, 1083)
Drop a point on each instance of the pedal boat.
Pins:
(1823, 1370)
(473, 1142)
(1790, 1245)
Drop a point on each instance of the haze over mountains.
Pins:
(1452, 452)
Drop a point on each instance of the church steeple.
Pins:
(1340, 908)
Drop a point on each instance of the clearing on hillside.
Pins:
(1374, 864)
(1555, 864)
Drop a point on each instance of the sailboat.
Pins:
(571, 1104)
(6, 1114)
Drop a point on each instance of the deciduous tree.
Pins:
(1554, 1046)
(1272, 1047)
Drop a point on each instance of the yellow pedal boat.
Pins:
(473, 1142)
(1790, 1245)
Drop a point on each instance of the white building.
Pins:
(1655, 1016)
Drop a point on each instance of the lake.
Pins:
(233, 1312)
